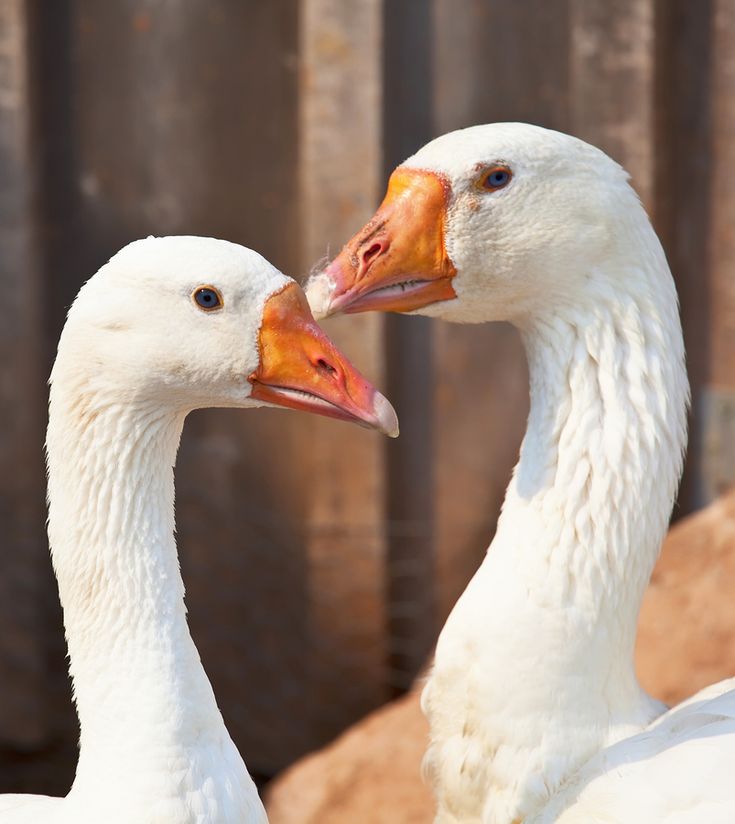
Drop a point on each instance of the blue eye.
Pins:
(496, 178)
(207, 298)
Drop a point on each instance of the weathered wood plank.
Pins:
(716, 401)
(341, 179)
(612, 76)
(501, 61)
(722, 226)
(412, 585)
(683, 141)
(25, 578)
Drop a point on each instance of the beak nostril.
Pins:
(325, 366)
(369, 255)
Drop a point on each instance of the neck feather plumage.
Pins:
(139, 685)
(601, 459)
(539, 649)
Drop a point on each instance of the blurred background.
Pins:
(320, 559)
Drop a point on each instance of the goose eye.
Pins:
(207, 298)
(496, 178)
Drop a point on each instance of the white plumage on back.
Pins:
(678, 771)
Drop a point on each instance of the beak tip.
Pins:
(386, 416)
(318, 291)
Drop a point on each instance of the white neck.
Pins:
(145, 705)
(591, 496)
(547, 627)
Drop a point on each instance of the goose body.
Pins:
(535, 711)
(678, 770)
(167, 326)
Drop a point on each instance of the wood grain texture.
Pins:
(684, 122)
(721, 372)
(340, 125)
(25, 578)
(612, 76)
(413, 587)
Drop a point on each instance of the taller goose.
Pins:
(167, 326)
(535, 711)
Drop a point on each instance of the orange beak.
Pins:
(300, 368)
(398, 262)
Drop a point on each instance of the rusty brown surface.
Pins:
(346, 542)
(612, 73)
(721, 372)
(25, 580)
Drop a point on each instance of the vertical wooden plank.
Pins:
(717, 399)
(499, 61)
(612, 83)
(411, 591)
(25, 578)
(722, 224)
(341, 180)
(683, 94)
(512, 65)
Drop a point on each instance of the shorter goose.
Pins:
(536, 714)
(167, 326)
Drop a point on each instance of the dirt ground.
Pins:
(370, 775)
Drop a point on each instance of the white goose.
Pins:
(535, 711)
(167, 326)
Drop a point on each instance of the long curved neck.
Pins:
(591, 496)
(582, 524)
(138, 681)
(538, 651)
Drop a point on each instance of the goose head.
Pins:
(189, 322)
(496, 222)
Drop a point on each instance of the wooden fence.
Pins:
(320, 559)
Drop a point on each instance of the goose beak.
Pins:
(300, 368)
(398, 262)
